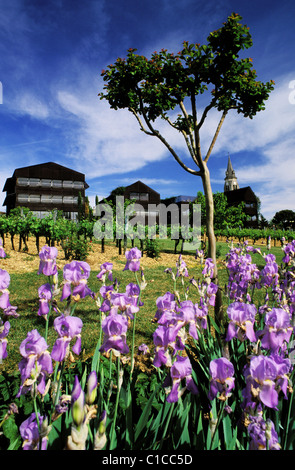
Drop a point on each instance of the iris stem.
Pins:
(218, 422)
(167, 423)
(47, 323)
(133, 331)
(116, 404)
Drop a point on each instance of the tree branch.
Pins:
(156, 133)
(193, 144)
(215, 136)
(187, 140)
(196, 131)
(205, 112)
(140, 123)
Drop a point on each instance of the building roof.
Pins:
(45, 170)
(239, 195)
(139, 186)
(229, 171)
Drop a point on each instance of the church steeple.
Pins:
(230, 180)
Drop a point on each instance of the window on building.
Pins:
(78, 185)
(22, 181)
(134, 196)
(56, 199)
(33, 182)
(34, 198)
(57, 183)
(68, 199)
(46, 198)
(68, 184)
(22, 198)
(45, 183)
(144, 196)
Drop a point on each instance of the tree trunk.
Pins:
(211, 237)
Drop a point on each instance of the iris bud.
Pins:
(78, 403)
(91, 388)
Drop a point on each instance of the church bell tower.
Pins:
(230, 180)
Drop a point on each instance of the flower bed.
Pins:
(210, 385)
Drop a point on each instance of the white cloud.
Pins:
(269, 136)
(31, 105)
(108, 141)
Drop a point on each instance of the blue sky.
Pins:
(51, 56)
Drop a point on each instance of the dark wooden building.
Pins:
(142, 194)
(45, 187)
(247, 196)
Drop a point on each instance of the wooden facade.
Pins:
(142, 194)
(247, 196)
(45, 187)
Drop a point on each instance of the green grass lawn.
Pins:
(24, 294)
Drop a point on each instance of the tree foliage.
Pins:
(224, 215)
(150, 88)
(284, 219)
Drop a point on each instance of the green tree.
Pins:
(224, 215)
(152, 88)
(284, 219)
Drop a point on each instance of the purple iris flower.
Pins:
(242, 317)
(36, 362)
(143, 348)
(181, 268)
(132, 256)
(115, 327)
(133, 290)
(262, 432)
(161, 342)
(105, 270)
(165, 303)
(201, 315)
(45, 295)
(29, 432)
(10, 311)
(2, 252)
(208, 270)
(242, 274)
(4, 284)
(269, 274)
(277, 330)
(222, 380)
(75, 275)
(68, 328)
(47, 265)
(289, 251)
(188, 315)
(193, 315)
(210, 293)
(181, 369)
(120, 302)
(265, 377)
(4, 330)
